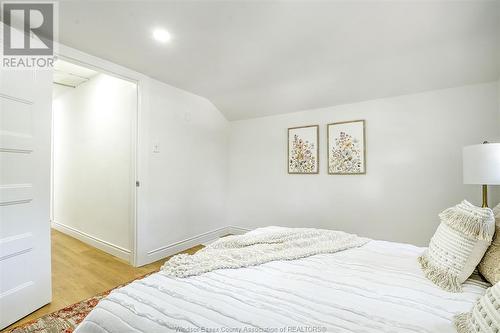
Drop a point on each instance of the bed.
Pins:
(377, 287)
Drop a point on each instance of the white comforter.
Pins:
(374, 288)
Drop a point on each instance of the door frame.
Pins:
(80, 58)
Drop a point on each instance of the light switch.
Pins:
(156, 146)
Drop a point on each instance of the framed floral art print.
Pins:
(346, 148)
(303, 150)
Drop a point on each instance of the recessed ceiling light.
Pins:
(161, 35)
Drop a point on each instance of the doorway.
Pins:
(93, 158)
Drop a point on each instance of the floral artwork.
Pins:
(302, 159)
(346, 148)
(345, 156)
(303, 150)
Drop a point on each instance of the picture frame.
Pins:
(346, 148)
(303, 149)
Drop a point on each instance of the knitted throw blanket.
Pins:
(260, 246)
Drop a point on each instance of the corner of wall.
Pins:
(498, 114)
(498, 85)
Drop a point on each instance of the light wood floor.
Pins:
(80, 271)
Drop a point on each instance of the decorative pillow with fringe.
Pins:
(489, 267)
(485, 315)
(458, 245)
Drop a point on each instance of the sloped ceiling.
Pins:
(257, 58)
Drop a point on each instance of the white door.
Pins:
(25, 131)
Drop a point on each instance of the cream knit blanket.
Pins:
(260, 246)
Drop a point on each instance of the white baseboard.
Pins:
(234, 230)
(229, 230)
(103, 245)
(205, 238)
(154, 255)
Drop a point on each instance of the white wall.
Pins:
(414, 168)
(183, 186)
(92, 135)
(498, 122)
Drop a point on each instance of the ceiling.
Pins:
(263, 58)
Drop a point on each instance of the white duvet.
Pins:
(377, 287)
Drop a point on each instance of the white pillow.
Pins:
(459, 244)
(484, 316)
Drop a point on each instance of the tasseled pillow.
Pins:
(484, 316)
(490, 265)
(458, 245)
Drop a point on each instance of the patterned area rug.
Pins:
(66, 319)
(61, 321)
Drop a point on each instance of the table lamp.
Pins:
(481, 165)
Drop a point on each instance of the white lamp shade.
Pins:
(482, 164)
